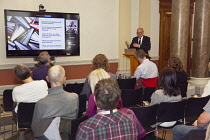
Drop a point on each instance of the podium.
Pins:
(134, 63)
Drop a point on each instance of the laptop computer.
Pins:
(130, 51)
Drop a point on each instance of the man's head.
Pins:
(140, 55)
(56, 75)
(44, 58)
(107, 94)
(100, 61)
(140, 32)
(22, 72)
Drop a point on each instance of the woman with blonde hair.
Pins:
(99, 61)
(94, 77)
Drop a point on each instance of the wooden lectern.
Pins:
(134, 63)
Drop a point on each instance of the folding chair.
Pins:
(193, 108)
(7, 105)
(126, 83)
(170, 111)
(25, 115)
(147, 93)
(146, 116)
(131, 97)
(74, 126)
(76, 88)
(82, 104)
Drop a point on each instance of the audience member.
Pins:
(201, 123)
(181, 75)
(99, 61)
(146, 73)
(176, 64)
(167, 90)
(30, 90)
(206, 90)
(108, 123)
(58, 103)
(44, 63)
(94, 77)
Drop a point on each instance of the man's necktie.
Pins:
(139, 41)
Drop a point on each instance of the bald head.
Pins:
(56, 75)
(140, 32)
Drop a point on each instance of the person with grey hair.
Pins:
(58, 103)
(146, 73)
(140, 41)
(44, 63)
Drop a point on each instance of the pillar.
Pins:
(180, 30)
(201, 39)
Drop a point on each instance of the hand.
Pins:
(195, 123)
(127, 43)
(136, 45)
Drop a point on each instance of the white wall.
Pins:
(154, 29)
(98, 26)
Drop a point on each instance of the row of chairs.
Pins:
(25, 110)
(186, 110)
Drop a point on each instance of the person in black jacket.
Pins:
(140, 42)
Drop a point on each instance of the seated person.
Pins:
(167, 90)
(146, 73)
(201, 123)
(99, 61)
(109, 122)
(206, 90)
(58, 103)
(30, 90)
(40, 71)
(94, 77)
(181, 75)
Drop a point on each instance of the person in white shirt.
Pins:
(146, 70)
(30, 90)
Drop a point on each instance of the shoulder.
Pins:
(71, 96)
(146, 37)
(159, 92)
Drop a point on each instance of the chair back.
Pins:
(171, 111)
(146, 116)
(7, 100)
(76, 88)
(194, 107)
(74, 126)
(82, 104)
(127, 83)
(25, 114)
(183, 89)
(148, 91)
(131, 97)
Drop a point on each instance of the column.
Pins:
(201, 38)
(180, 30)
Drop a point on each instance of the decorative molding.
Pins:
(62, 63)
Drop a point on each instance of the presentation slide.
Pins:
(52, 33)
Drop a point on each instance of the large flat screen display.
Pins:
(28, 33)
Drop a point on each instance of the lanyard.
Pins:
(107, 112)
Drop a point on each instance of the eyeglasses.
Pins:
(139, 32)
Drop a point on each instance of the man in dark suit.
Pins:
(140, 42)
